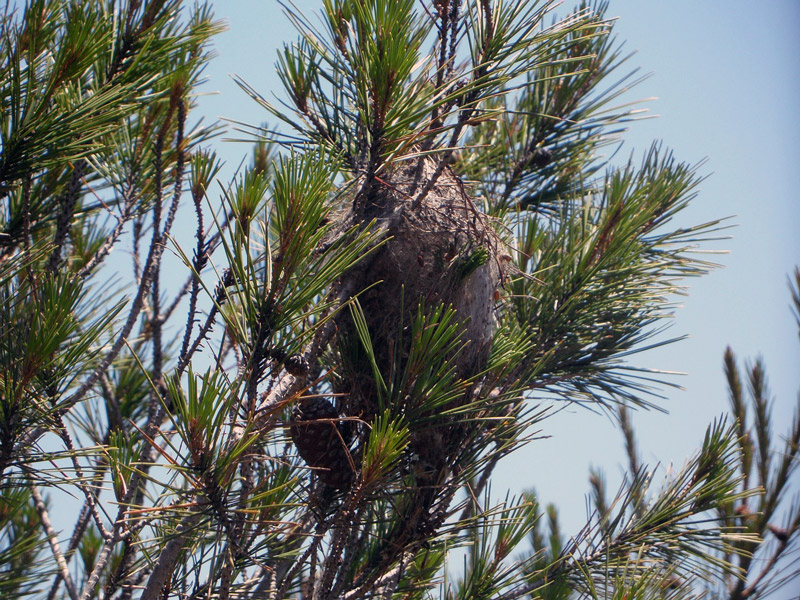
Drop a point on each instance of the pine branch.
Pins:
(164, 567)
(67, 206)
(392, 285)
(52, 538)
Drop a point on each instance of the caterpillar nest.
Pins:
(440, 250)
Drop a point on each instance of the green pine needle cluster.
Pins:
(238, 423)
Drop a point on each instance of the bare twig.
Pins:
(298, 564)
(128, 206)
(91, 500)
(52, 538)
(198, 263)
(66, 209)
(162, 571)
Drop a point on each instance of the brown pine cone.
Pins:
(316, 432)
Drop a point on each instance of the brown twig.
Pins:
(52, 539)
(162, 571)
(66, 210)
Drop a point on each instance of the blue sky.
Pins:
(726, 78)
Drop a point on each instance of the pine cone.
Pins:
(296, 365)
(319, 437)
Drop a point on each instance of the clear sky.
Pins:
(726, 78)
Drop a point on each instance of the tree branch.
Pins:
(52, 539)
(162, 571)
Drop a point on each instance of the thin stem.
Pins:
(752, 588)
(66, 210)
(80, 528)
(210, 246)
(155, 291)
(168, 558)
(90, 497)
(52, 538)
(351, 549)
(128, 206)
(298, 564)
(204, 330)
(198, 263)
(180, 162)
(77, 534)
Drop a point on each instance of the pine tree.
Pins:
(429, 242)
